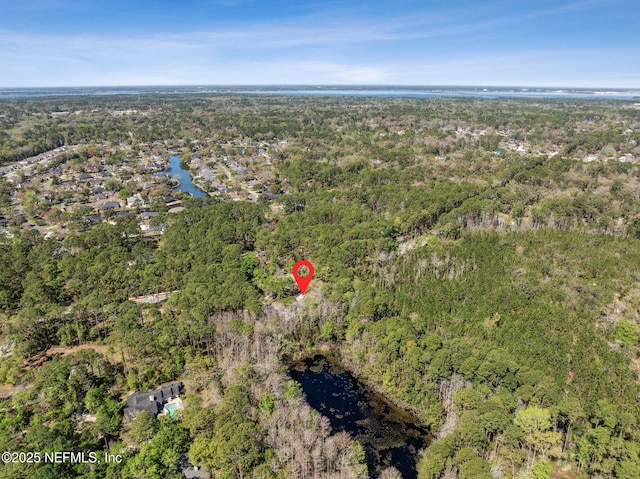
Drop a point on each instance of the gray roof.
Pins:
(193, 473)
(142, 401)
(151, 401)
(109, 205)
(92, 218)
(149, 214)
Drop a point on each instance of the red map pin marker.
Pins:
(303, 281)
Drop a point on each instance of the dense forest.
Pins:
(476, 263)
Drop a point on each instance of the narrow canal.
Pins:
(389, 435)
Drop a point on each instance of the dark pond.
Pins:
(175, 170)
(390, 436)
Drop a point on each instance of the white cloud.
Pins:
(317, 48)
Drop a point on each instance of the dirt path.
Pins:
(8, 390)
(152, 298)
(45, 356)
(98, 348)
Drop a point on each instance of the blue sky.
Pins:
(592, 43)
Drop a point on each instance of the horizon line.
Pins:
(325, 85)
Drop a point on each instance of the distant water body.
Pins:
(354, 91)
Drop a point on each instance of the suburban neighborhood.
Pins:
(74, 187)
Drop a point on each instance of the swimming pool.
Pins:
(172, 409)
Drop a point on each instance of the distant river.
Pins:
(325, 90)
(490, 94)
(175, 170)
(390, 436)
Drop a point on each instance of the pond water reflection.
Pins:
(389, 435)
(175, 171)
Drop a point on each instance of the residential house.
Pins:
(110, 205)
(146, 226)
(152, 402)
(90, 219)
(136, 201)
(147, 215)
